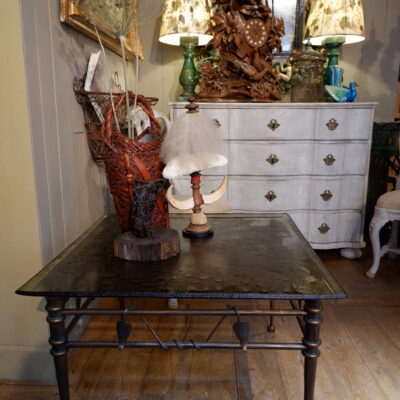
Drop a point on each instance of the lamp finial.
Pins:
(192, 107)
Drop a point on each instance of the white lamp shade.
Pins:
(331, 18)
(185, 18)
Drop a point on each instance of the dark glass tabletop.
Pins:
(262, 256)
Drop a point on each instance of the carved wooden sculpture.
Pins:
(246, 33)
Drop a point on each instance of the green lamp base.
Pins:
(332, 44)
(189, 77)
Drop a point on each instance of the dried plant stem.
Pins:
(110, 78)
(121, 41)
(137, 66)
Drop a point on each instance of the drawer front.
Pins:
(272, 124)
(219, 116)
(281, 159)
(342, 124)
(267, 158)
(337, 193)
(335, 228)
(341, 158)
(330, 230)
(265, 195)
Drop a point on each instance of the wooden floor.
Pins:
(360, 353)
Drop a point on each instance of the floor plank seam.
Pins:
(362, 356)
(382, 327)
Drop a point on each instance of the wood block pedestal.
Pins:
(163, 244)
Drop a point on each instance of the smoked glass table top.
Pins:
(261, 256)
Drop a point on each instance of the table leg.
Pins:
(58, 339)
(311, 340)
(271, 327)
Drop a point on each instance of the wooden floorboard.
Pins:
(379, 351)
(360, 352)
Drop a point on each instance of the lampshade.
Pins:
(185, 18)
(332, 18)
(192, 144)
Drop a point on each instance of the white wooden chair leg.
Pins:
(374, 229)
(394, 239)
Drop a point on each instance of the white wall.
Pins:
(374, 63)
(24, 351)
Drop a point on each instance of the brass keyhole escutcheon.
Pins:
(329, 159)
(272, 159)
(332, 124)
(270, 196)
(323, 229)
(273, 124)
(326, 195)
(217, 122)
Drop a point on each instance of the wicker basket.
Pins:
(95, 106)
(127, 160)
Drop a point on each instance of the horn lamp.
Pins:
(191, 145)
(186, 23)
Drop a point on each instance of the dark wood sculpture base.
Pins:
(163, 244)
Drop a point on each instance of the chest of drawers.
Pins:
(309, 160)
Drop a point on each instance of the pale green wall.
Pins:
(23, 335)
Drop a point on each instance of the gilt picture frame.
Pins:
(70, 15)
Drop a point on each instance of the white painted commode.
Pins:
(310, 160)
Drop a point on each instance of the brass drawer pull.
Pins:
(273, 124)
(332, 124)
(326, 195)
(217, 122)
(272, 159)
(270, 196)
(323, 229)
(329, 159)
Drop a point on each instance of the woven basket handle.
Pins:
(107, 130)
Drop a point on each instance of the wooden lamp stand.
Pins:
(198, 227)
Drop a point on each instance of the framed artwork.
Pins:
(292, 12)
(70, 15)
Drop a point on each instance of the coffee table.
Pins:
(250, 256)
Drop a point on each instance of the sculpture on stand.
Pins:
(144, 242)
(246, 33)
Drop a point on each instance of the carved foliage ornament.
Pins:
(246, 34)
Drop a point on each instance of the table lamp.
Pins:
(185, 23)
(332, 23)
(191, 145)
